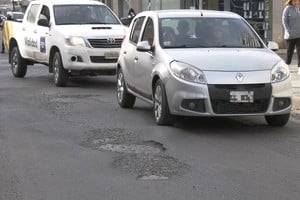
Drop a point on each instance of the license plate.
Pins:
(111, 55)
(241, 96)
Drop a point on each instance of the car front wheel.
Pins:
(277, 120)
(160, 105)
(125, 99)
(18, 64)
(60, 75)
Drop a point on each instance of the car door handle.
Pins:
(136, 58)
(24, 29)
(35, 31)
(125, 52)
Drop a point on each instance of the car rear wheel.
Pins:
(18, 64)
(125, 99)
(277, 120)
(60, 75)
(160, 105)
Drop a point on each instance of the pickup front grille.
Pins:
(106, 43)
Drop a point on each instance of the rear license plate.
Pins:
(241, 96)
(111, 55)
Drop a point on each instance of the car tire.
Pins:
(18, 64)
(160, 105)
(125, 99)
(60, 75)
(277, 120)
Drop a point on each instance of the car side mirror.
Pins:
(125, 21)
(144, 46)
(43, 22)
(272, 46)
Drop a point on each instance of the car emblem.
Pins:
(240, 77)
(111, 40)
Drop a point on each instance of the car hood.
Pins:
(92, 31)
(226, 59)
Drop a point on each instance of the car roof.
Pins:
(190, 13)
(68, 2)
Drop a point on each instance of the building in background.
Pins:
(263, 15)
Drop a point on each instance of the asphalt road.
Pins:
(77, 143)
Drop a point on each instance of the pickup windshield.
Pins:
(83, 14)
(207, 32)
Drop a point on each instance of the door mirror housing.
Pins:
(272, 46)
(43, 22)
(144, 46)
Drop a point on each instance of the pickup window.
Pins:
(83, 14)
(32, 13)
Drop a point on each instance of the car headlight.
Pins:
(187, 72)
(76, 41)
(280, 72)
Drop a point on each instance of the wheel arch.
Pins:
(13, 42)
(51, 54)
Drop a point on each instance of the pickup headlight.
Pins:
(76, 41)
(187, 72)
(280, 72)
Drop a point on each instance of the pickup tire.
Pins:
(60, 75)
(18, 64)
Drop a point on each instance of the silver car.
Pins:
(201, 63)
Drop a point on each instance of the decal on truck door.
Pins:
(31, 42)
(43, 45)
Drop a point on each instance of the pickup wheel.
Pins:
(18, 64)
(60, 75)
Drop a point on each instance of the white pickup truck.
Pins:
(71, 37)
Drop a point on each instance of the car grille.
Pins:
(106, 43)
(220, 99)
(102, 59)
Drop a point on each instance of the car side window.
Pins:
(136, 30)
(32, 13)
(148, 34)
(45, 13)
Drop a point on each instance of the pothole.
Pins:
(151, 167)
(145, 159)
(113, 136)
(121, 141)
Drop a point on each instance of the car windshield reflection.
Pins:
(207, 33)
(83, 14)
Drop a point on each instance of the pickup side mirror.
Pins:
(272, 46)
(43, 22)
(144, 46)
(125, 21)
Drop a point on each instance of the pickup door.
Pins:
(28, 38)
(41, 33)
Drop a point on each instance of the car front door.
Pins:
(145, 61)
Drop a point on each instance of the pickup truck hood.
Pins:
(92, 31)
(225, 59)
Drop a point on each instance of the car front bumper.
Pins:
(191, 99)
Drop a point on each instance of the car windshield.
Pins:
(18, 15)
(207, 33)
(83, 14)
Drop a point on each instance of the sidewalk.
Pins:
(295, 84)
